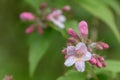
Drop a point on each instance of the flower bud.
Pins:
(43, 6)
(66, 56)
(83, 29)
(93, 60)
(98, 64)
(64, 51)
(99, 47)
(29, 29)
(104, 64)
(104, 45)
(27, 16)
(101, 59)
(71, 40)
(72, 33)
(66, 8)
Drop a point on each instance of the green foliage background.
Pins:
(38, 57)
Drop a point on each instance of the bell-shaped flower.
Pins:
(77, 55)
(57, 18)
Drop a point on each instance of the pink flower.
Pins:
(77, 55)
(57, 18)
(27, 16)
(83, 29)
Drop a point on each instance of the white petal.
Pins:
(70, 50)
(59, 24)
(57, 12)
(86, 56)
(80, 66)
(70, 61)
(62, 18)
(81, 47)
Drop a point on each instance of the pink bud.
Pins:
(43, 6)
(71, 40)
(83, 29)
(104, 64)
(104, 45)
(64, 51)
(98, 64)
(27, 16)
(29, 29)
(93, 60)
(101, 59)
(99, 47)
(72, 33)
(40, 30)
(66, 8)
(66, 56)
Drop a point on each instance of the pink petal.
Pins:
(81, 47)
(80, 66)
(70, 50)
(70, 61)
(86, 56)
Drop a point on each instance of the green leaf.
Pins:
(114, 5)
(112, 66)
(52, 64)
(34, 3)
(72, 24)
(72, 75)
(38, 47)
(101, 11)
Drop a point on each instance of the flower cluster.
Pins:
(81, 49)
(46, 14)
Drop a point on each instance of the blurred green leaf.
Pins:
(101, 11)
(51, 66)
(72, 24)
(113, 4)
(34, 3)
(112, 66)
(38, 47)
(72, 75)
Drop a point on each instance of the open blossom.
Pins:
(77, 55)
(57, 18)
